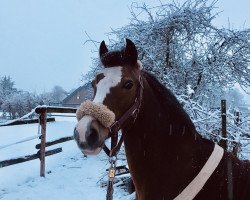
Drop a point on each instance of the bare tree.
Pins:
(58, 94)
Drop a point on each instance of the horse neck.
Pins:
(157, 125)
(163, 143)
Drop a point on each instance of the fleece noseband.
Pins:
(97, 110)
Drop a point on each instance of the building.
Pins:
(78, 96)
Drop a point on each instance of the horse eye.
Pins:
(128, 84)
(93, 83)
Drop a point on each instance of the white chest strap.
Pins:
(199, 181)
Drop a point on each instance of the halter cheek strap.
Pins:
(116, 126)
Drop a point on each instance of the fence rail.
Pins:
(61, 140)
(27, 121)
(14, 161)
(53, 109)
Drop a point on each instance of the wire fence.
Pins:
(21, 141)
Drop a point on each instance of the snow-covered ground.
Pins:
(69, 175)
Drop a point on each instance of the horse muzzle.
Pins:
(92, 130)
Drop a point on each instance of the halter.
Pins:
(107, 118)
(116, 126)
(115, 144)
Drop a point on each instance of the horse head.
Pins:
(115, 90)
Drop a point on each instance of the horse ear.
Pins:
(131, 51)
(102, 49)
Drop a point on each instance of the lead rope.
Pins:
(115, 147)
(111, 177)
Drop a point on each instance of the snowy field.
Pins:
(69, 175)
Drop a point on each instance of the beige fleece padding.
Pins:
(97, 110)
(196, 185)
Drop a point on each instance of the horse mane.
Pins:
(169, 102)
(116, 58)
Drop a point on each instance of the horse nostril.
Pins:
(76, 135)
(83, 145)
(92, 138)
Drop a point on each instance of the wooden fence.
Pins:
(42, 153)
(224, 133)
(42, 111)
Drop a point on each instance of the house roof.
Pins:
(84, 87)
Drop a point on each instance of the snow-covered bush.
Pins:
(19, 104)
(6, 88)
(16, 103)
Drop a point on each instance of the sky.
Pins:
(42, 41)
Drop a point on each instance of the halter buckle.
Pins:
(135, 113)
(112, 169)
(111, 173)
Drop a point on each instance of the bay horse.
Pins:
(167, 157)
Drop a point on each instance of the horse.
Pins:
(167, 157)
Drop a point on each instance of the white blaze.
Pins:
(113, 76)
(82, 125)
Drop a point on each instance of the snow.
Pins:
(69, 175)
(189, 90)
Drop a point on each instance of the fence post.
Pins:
(236, 144)
(223, 142)
(43, 121)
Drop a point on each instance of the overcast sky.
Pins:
(42, 41)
